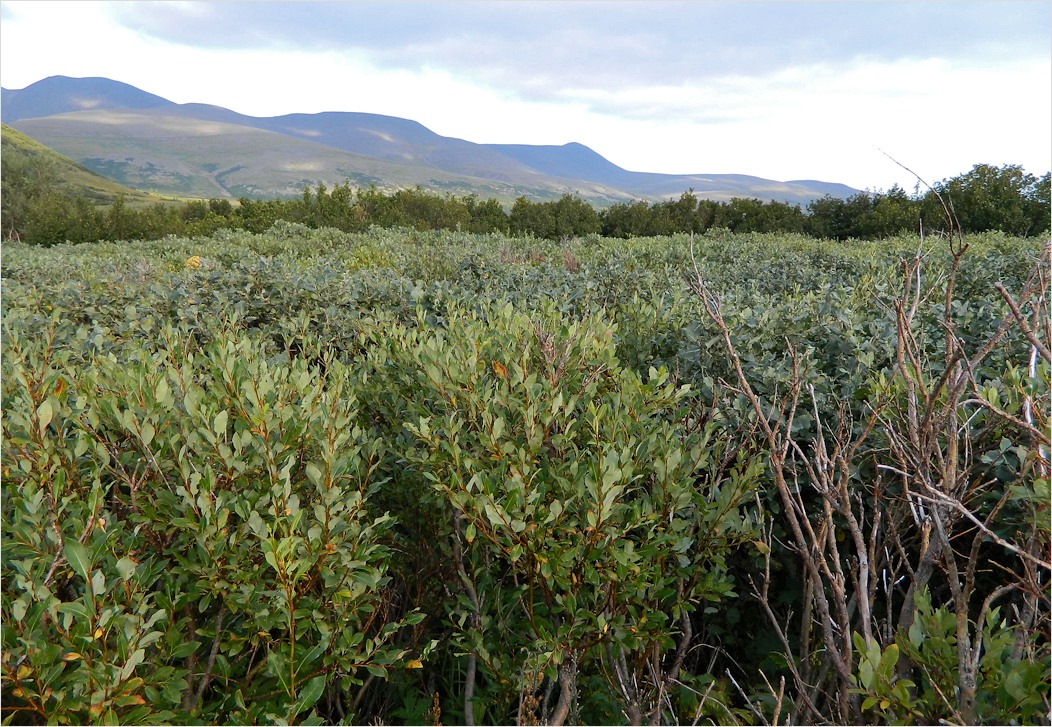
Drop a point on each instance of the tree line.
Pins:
(986, 198)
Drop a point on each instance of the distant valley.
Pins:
(149, 143)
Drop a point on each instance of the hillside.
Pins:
(577, 161)
(19, 152)
(152, 149)
(151, 143)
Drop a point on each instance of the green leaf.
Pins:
(916, 633)
(311, 656)
(888, 662)
(163, 393)
(219, 424)
(76, 609)
(79, 558)
(865, 675)
(256, 525)
(184, 649)
(98, 582)
(555, 510)
(126, 568)
(147, 434)
(269, 554)
(1014, 685)
(133, 661)
(311, 693)
(279, 668)
(44, 414)
(492, 514)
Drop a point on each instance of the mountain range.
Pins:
(149, 143)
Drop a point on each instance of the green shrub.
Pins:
(188, 536)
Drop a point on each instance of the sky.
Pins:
(783, 90)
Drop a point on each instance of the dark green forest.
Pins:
(39, 211)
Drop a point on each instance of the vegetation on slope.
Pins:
(23, 156)
(47, 196)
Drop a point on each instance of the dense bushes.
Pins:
(986, 198)
(213, 523)
(429, 476)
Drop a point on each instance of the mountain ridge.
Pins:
(105, 125)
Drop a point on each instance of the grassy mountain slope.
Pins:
(19, 151)
(200, 150)
(170, 153)
(577, 161)
(384, 137)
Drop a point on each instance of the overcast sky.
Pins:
(783, 90)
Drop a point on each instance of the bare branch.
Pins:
(953, 503)
(1021, 320)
